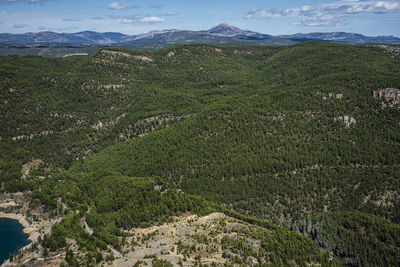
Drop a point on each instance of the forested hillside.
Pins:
(289, 136)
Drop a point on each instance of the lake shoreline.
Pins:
(29, 229)
(34, 229)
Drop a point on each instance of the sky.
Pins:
(371, 18)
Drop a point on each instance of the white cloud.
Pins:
(138, 19)
(326, 20)
(53, 22)
(277, 13)
(354, 7)
(125, 21)
(307, 8)
(331, 14)
(152, 20)
(120, 6)
(263, 14)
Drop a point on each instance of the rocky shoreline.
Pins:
(29, 228)
(15, 206)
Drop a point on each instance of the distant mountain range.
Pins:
(343, 37)
(223, 34)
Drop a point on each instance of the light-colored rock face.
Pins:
(115, 54)
(7, 204)
(393, 51)
(389, 96)
(27, 167)
(326, 96)
(186, 237)
(346, 120)
(243, 52)
(76, 54)
(143, 58)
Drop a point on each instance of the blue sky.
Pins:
(139, 16)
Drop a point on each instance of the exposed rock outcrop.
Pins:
(393, 51)
(390, 96)
(326, 96)
(346, 120)
(27, 167)
(114, 54)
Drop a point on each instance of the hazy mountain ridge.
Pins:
(224, 30)
(344, 37)
(86, 37)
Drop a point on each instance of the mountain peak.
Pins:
(224, 29)
(224, 24)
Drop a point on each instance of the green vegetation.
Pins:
(110, 203)
(136, 204)
(362, 239)
(11, 160)
(46, 50)
(255, 132)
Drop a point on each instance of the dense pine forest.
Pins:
(291, 141)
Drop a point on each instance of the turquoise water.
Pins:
(12, 237)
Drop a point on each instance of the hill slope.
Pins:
(275, 133)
